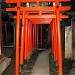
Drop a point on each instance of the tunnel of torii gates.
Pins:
(27, 35)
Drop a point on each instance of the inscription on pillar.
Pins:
(68, 42)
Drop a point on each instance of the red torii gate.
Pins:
(1, 49)
(31, 16)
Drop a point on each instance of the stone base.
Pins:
(4, 63)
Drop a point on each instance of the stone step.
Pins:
(4, 63)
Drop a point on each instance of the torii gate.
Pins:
(31, 16)
(1, 49)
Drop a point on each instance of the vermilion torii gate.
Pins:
(27, 39)
(1, 49)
